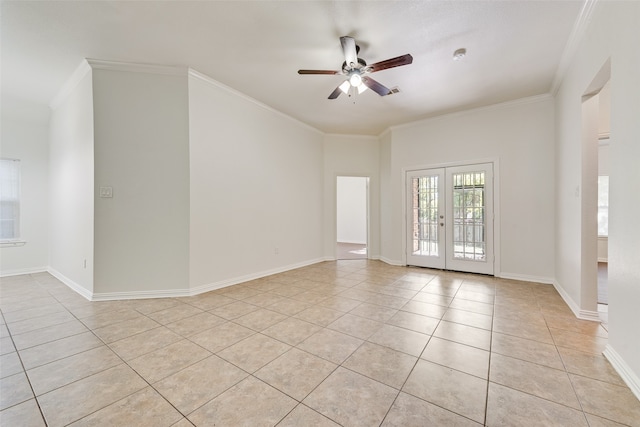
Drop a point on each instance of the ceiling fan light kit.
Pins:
(356, 70)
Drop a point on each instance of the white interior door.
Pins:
(450, 218)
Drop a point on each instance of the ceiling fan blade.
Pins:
(335, 93)
(375, 86)
(349, 50)
(390, 63)
(318, 72)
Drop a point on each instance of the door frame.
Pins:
(496, 204)
(335, 210)
(588, 301)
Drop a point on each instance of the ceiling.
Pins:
(514, 50)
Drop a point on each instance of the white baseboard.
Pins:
(525, 278)
(173, 293)
(21, 271)
(253, 276)
(169, 293)
(70, 283)
(575, 308)
(593, 316)
(371, 257)
(391, 261)
(625, 372)
(565, 296)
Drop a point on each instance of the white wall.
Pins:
(256, 188)
(349, 155)
(387, 239)
(351, 215)
(28, 140)
(624, 235)
(612, 34)
(142, 152)
(520, 136)
(71, 169)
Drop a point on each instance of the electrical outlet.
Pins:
(106, 192)
(276, 251)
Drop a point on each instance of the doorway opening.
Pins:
(594, 197)
(352, 217)
(604, 120)
(603, 222)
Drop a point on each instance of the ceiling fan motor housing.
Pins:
(346, 68)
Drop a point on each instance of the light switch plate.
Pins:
(106, 192)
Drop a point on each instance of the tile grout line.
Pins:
(118, 356)
(440, 319)
(486, 402)
(416, 364)
(564, 365)
(24, 372)
(142, 377)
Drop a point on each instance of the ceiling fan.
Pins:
(356, 70)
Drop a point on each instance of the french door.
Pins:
(450, 218)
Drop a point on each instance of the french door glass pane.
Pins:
(425, 215)
(469, 216)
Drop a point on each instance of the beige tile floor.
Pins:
(352, 343)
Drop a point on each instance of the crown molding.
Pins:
(352, 136)
(206, 79)
(88, 64)
(132, 67)
(384, 133)
(503, 105)
(79, 73)
(570, 49)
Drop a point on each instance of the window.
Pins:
(603, 205)
(9, 199)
